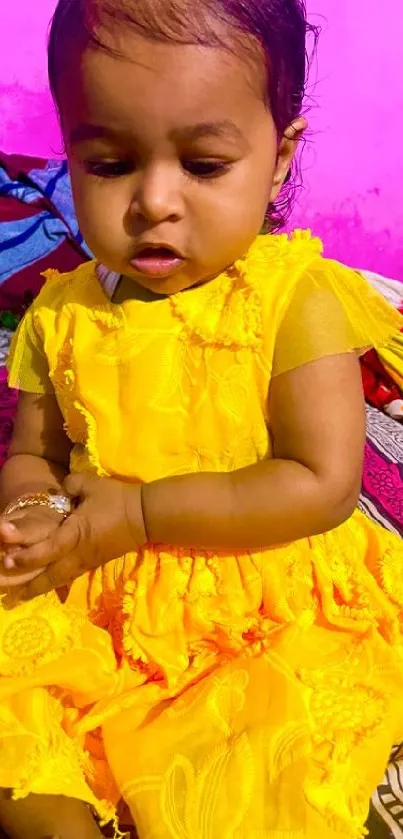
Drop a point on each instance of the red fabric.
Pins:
(379, 388)
(18, 165)
(20, 289)
(8, 405)
(11, 208)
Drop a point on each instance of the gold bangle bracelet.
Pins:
(59, 503)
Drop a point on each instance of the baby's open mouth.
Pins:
(156, 261)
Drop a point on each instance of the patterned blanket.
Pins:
(386, 817)
(382, 490)
(38, 227)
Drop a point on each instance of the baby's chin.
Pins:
(150, 288)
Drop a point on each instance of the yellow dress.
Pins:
(222, 696)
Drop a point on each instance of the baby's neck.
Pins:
(128, 289)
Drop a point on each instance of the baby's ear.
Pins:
(285, 154)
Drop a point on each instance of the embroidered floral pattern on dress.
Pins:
(35, 634)
(390, 570)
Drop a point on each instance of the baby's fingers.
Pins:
(54, 577)
(9, 532)
(25, 528)
(56, 546)
(8, 581)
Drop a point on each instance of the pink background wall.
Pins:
(353, 166)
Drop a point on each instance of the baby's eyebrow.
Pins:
(87, 131)
(226, 129)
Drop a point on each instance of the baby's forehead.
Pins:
(146, 81)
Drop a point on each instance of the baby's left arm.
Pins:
(317, 423)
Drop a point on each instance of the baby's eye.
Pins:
(108, 168)
(206, 168)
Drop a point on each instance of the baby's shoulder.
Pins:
(277, 263)
(314, 306)
(284, 266)
(61, 289)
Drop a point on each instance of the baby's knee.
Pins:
(46, 817)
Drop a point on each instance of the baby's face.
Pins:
(171, 146)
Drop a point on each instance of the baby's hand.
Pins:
(20, 530)
(106, 523)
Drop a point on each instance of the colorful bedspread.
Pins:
(38, 227)
(382, 490)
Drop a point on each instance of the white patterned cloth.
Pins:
(5, 338)
(391, 289)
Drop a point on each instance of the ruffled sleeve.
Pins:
(332, 310)
(28, 368)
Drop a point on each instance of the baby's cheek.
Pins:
(101, 206)
(106, 233)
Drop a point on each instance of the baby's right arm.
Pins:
(38, 461)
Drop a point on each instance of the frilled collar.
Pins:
(227, 311)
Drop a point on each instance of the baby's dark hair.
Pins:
(280, 27)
